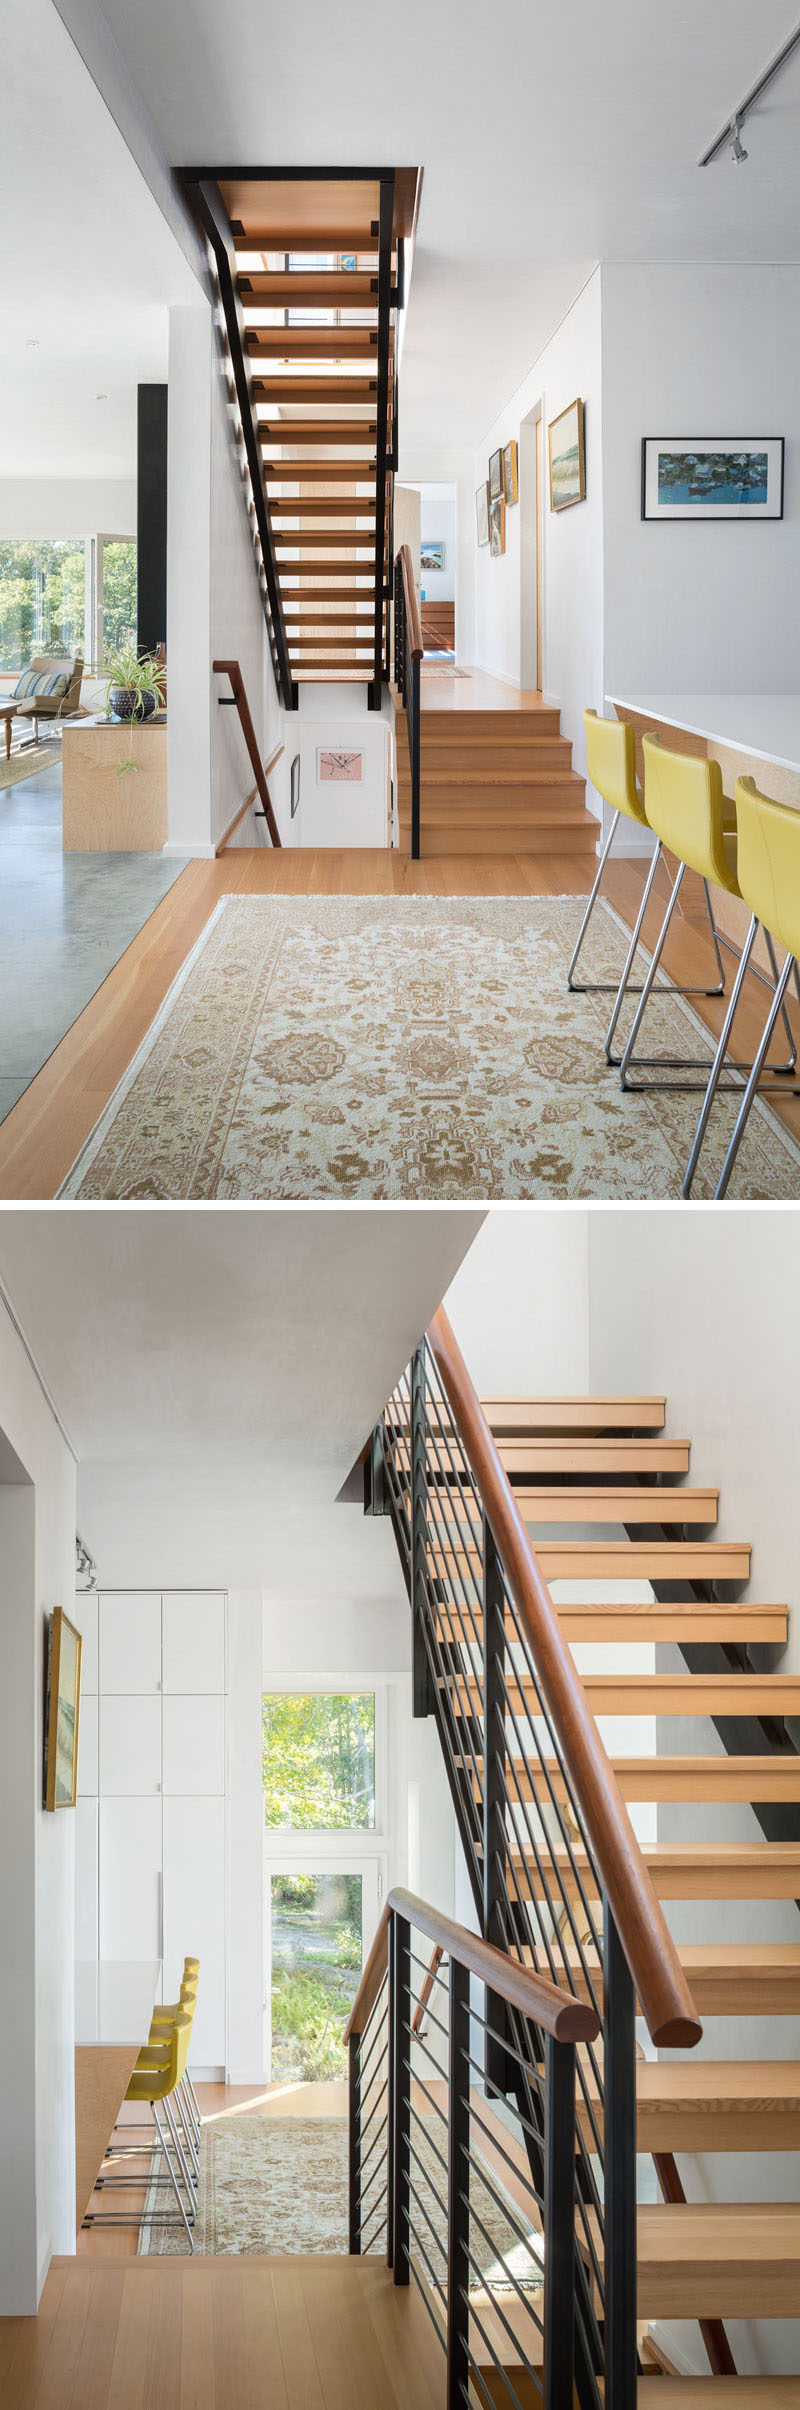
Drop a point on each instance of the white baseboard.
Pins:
(42, 2266)
(191, 852)
(209, 2075)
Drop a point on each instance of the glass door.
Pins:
(322, 1914)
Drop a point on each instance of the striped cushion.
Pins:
(42, 682)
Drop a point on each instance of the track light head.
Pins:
(738, 151)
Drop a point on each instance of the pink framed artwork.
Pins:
(342, 768)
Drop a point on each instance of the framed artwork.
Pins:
(431, 557)
(497, 525)
(510, 474)
(495, 475)
(63, 1709)
(567, 456)
(712, 477)
(482, 511)
(295, 784)
(340, 769)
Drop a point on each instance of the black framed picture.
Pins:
(295, 784)
(712, 477)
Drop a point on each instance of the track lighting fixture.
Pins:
(737, 148)
(730, 136)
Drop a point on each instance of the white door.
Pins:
(194, 1747)
(86, 1879)
(130, 1878)
(129, 1746)
(130, 1641)
(194, 1916)
(322, 1912)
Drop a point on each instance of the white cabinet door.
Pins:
(194, 1747)
(86, 1878)
(129, 1747)
(87, 1747)
(130, 1878)
(86, 1620)
(194, 1916)
(130, 1641)
(194, 1640)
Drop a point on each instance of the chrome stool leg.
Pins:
(752, 1084)
(611, 1059)
(593, 989)
(719, 1058)
(648, 984)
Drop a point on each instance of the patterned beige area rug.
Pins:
(278, 2185)
(406, 1047)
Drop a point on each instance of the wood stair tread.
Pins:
(587, 1502)
(514, 1417)
(630, 1560)
(650, 1619)
(709, 2104)
(696, 1869)
(727, 1978)
(643, 1779)
(719, 2393)
(718, 2260)
(694, 1694)
(530, 1459)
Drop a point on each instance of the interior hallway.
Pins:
(45, 1130)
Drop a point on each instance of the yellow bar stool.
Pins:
(686, 810)
(611, 765)
(189, 1985)
(161, 2025)
(155, 2079)
(769, 880)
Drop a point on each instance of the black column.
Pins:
(151, 517)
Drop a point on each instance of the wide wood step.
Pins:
(314, 288)
(272, 388)
(709, 2104)
(642, 1779)
(324, 540)
(726, 1979)
(725, 1870)
(309, 506)
(536, 718)
(568, 829)
(718, 2260)
(616, 1503)
(530, 1459)
(320, 472)
(769, 1695)
(625, 1560)
(333, 644)
(519, 1417)
(322, 241)
(322, 431)
(298, 600)
(719, 2393)
(629, 1620)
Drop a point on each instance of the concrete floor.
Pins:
(65, 919)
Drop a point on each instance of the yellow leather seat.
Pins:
(769, 881)
(611, 767)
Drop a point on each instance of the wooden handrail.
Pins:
(230, 669)
(413, 621)
(555, 2012)
(664, 1996)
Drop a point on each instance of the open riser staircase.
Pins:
(310, 269)
(563, 1889)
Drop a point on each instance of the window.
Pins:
(42, 599)
(116, 595)
(319, 1762)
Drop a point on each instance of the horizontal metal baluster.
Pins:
(419, 2080)
(501, 2262)
(501, 2371)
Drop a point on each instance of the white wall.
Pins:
(37, 2115)
(704, 1308)
(519, 1303)
(699, 351)
(67, 506)
(332, 814)
(438, 525)
(213, 605)
(450, 465)
(572, 664)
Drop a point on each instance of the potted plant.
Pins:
(136, 686)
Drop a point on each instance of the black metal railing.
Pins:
(482, 2221)
(384, 478)
(407, 665)
(533, 1865)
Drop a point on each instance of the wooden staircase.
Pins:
(594, 1462)
(493, 782)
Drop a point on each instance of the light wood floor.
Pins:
(42, 1135)
(222, 2334)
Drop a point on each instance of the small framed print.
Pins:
(497, 525)
(712, 477)
(510, 475)
(495, 475)
(295, 784)
(431, 557)
(336, 768)
(482, 511)
(567, 453)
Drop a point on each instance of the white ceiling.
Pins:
(218, 1374)
(551, 136)
(89, 265)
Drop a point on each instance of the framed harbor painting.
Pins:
(567, 455)
(431, 556)
(712, 477)
(63, 1708)
(510, 474)
(495, 475)
(497, 525)
(482, 511)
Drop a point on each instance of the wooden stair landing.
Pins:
(496, 775)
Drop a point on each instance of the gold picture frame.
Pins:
(63, 1713)
(482, 511)
(510, 474)
(566, 452)
(497, 526)
(495, 475)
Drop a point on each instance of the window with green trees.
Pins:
(319, 1761)
(42, 599)
(119, 595)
